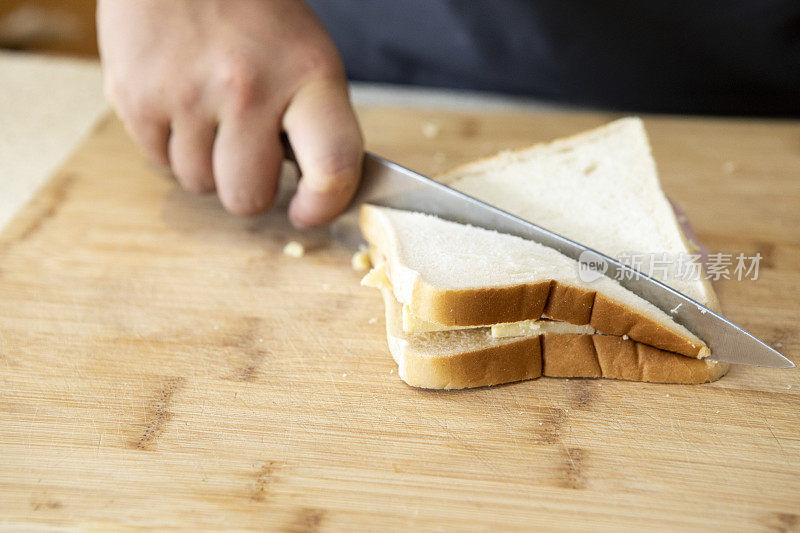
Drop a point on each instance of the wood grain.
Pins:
(163, 364)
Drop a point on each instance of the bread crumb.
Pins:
(625, 337)
(430, 130)
(360, 260)
(216, 328)
(717, 411)
(391, 371)
(729, 167)
(703, 311)
(667, 395)
(294, 249)
(779, 345)
(344, 375)
(675, 310)
(788, 387)
(261, 340)
(540, 423)
(372, 320)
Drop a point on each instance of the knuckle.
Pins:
(187, 96)
(335, 173)
(318, 62)
(239, 79)
(135, 109)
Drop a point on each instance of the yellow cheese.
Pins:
(540, 327)
(414, 324)
(517, 329)
(376, 278)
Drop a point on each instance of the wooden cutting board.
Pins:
(163, 364)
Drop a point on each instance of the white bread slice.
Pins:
(459, 275)
(605, 181)
(599, 188)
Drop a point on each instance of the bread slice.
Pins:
(457, 359)
(599, 188)
(458, 276)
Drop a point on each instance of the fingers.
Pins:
(151, 134)
(190, 146)
(326, 138)
(247, 160)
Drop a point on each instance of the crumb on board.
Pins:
(667, 395)
(788, 387)
(729, 167)
(360, 260)
(430, 130)
(294, 249)
(779, 345)
(372, 320)
(344, 375)
(625, 337)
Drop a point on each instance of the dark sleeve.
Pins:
(701, 57)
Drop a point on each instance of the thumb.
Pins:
(327, 143)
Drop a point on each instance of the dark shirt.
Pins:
(717, 57)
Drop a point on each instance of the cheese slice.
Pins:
(377, 278)
(525, 328)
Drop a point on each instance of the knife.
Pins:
(385, 183)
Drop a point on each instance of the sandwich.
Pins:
(470, 307)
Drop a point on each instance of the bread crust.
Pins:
(513, 303)
(482, 361)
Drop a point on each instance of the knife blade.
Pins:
(385, 183)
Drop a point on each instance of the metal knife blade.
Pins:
(388, 184)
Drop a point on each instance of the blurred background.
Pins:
(50, 26)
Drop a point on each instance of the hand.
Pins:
(206, 86)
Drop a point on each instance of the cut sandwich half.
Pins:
(469, 307)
